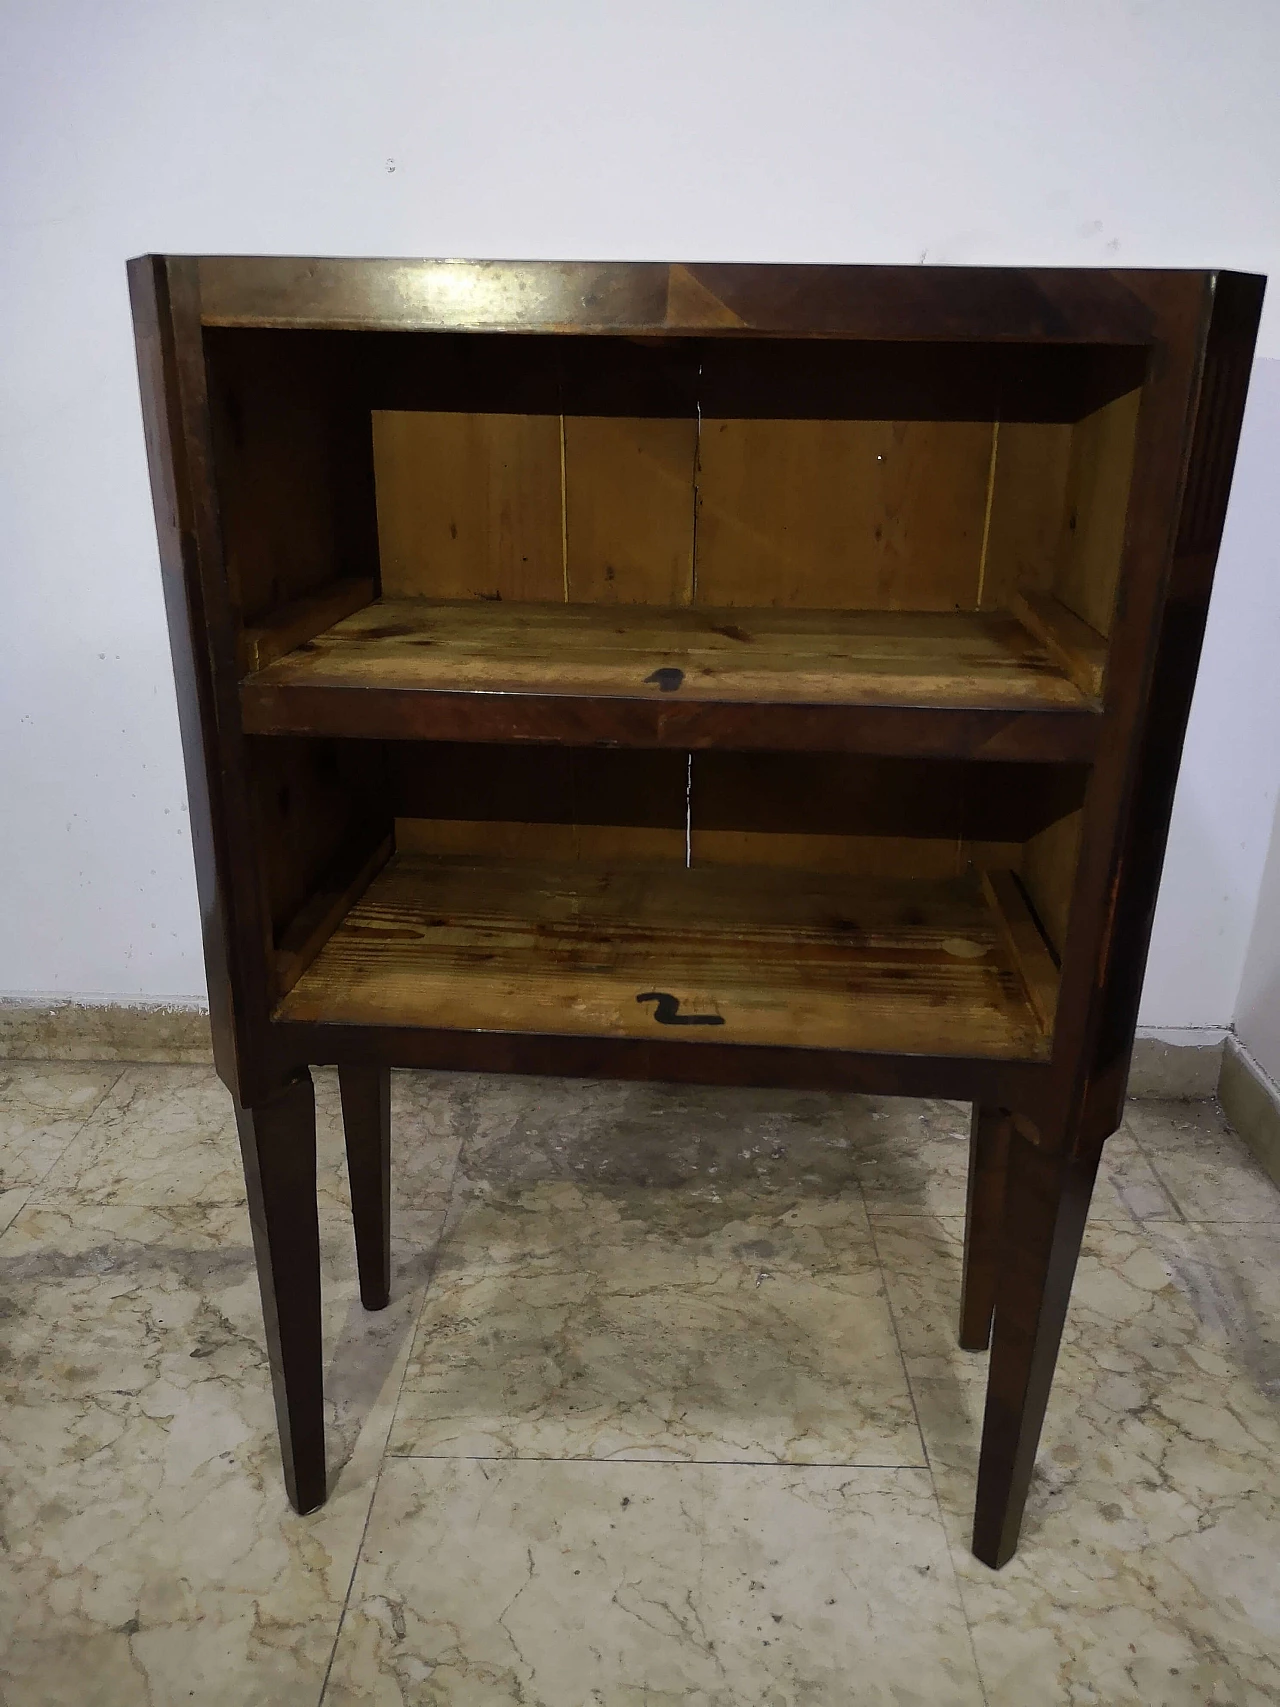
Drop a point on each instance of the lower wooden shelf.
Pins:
(751, 955)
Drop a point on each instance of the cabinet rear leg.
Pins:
(1046, 1204)
(366, 1120)
(278, 1144)
(983, 1223)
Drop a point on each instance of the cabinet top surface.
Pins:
(1065, 305)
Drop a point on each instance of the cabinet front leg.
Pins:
(278, 1144)
(983, 1223)
(366, 1121)
(1046, 1204)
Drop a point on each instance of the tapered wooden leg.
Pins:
(983, 1222)
(278, 1143)
(1046, 1203)
(366, 1119)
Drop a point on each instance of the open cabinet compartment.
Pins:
(757, 525)
(885, 905)
(551, 527)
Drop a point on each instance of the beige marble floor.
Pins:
(667, 1408)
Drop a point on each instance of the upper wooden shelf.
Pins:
(966, 683)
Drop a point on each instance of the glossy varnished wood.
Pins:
(366, 1120)
(278, 1146)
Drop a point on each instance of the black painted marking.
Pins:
(668, 678)
(668, 1012)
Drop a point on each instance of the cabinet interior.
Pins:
(359, 470)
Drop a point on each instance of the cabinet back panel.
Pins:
(469, 505)
(872, 515)
(842, 515)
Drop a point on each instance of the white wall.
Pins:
(942, 130)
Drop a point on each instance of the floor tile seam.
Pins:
(789, 1465)
(933, 1480)
(355, 1566)
(1149, 1158)
(34, 1185)
(383, 1456)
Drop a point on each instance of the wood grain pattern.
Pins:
(1025, 946)
(469, 505)
(1028, 509)
(1049, 871)
(629, 509)
(328, 904)
(778, 958)
(1079, 651)
(501, 838)
(842, 515)
(860, 856)
(832, 657)
(301, 620)
(1098, 500)
(1060, 305)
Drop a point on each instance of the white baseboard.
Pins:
(1251, 1102)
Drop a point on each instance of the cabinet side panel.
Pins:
(842, 515)
(1049, 873)
(1215, 434)
(1101, 468)
(173, 497)
(294, 468)
(1028, 509)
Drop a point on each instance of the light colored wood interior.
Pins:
(469, 506)
(729, 513)
(1097, 501)
(928, 857)
(628, 513)
(1048, 870)
(651, 652)
(842, 515)
(752, 955)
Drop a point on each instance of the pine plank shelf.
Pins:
(747, 955)
(672, 676)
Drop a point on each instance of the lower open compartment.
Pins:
(747, 954)
(834, 901)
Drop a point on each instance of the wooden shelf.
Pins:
(663, 676)
(748, 955)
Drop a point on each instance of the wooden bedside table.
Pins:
(733, 674)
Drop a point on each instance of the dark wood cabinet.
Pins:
(765, 675)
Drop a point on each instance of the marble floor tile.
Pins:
(43, 1105)
(908, 1155)
(616, 1134)
(162, 1135)
(1209, 1172)
(652, 1585)
(569, 1322)
(912, 1157)
(11, 1202)
(1147, 1564)
(431, 1116)
(148, 1553)
(168, 1135)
